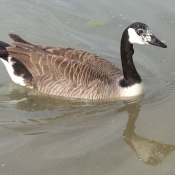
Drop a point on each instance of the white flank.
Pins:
(17, 79)
(131, 91)
(134, 38)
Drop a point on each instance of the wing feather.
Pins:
(43, 65)
(86, 57)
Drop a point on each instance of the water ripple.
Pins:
(158, 91)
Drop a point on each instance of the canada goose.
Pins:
(73, 73)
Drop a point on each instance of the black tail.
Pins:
(3, 51)
(19, 68)
(3, 45)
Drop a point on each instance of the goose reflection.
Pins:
(150, 151)
(25, 99)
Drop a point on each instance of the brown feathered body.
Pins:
(68, 72)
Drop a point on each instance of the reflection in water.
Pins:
(150, 151)
(24, 99)
(29, 100)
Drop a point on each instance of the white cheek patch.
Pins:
(134, 37)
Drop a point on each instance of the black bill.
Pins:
(156, 42)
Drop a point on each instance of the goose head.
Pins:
(139, 33)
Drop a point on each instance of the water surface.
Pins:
(47, 135)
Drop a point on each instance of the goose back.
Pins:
(67, 72)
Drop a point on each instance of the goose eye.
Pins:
(140, 31)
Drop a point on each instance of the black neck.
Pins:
(131, 76)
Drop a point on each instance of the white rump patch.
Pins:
(134, 37)
(9, 66)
